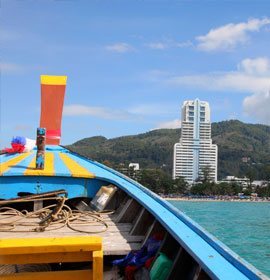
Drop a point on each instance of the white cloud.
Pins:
(169, 124)
(168, 43)
(258, 66)
(99, 112)
(185, 44)
(157, 46)
(257, 106)
(228, 36)
(120, 48)
(234, 81)
(253, 75)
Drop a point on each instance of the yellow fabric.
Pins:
(53, 80)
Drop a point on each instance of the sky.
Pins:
(131, 64)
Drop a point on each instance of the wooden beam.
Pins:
(97, 265)
(128, 212)
(142, 223)
(46, 258)
(49, 245)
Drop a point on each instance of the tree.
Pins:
(179, 185)
(251, 175)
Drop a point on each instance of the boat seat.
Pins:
(53, 250)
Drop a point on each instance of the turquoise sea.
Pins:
(242, 226)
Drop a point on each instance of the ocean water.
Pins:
(242, 226)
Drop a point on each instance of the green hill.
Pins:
(154, 149)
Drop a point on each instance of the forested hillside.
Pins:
(242, 147)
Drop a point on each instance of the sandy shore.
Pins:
(215, 200)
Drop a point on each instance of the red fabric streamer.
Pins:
(16, 148)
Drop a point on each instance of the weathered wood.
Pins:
(203, 275)
(115, 249)
(129, 212)
(116, 239)
(149, 231)
(142, 223)
(185, 268)
(40, 156)
(171, 275)
(38, 205)
(157, 229)
(160, 248)
(116, 200)
(197, 272)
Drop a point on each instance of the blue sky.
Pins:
(131, 64)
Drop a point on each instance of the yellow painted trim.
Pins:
(48, 166)
(75, 168)
(53, 80)
(56, 249)
(20, 246)
(47, 257)
(12, 162)
(98, 265)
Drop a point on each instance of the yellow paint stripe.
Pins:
(12, 162)
(48, 166)
(75, 168)
(53, 80)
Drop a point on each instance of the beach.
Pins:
(216, 199)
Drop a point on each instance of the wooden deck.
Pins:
(117, 239)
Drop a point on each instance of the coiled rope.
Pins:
(49, 218)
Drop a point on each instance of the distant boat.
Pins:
(128, 217)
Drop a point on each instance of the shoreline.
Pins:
(215, 200)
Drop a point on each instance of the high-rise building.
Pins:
(195, 155)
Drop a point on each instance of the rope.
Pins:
(50, 218)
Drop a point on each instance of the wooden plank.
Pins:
(170, 274)
(160, 248)
(46, 258)
(89, 230)
(98, 265)
(116, 201)
(186, 267)
(120, 249)
(203, 275)
(59, 275)
(107, 234)
(49, 245)
(129, 212)
(197, 272)
(142, 222)
(149, 232)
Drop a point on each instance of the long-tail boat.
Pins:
(64, 216)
